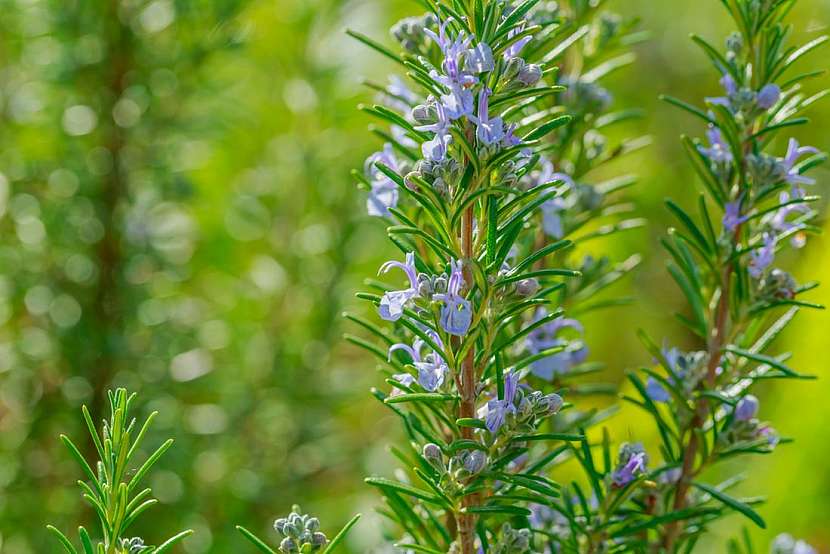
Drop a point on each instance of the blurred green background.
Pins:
(177, 217)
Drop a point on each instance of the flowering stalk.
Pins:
(739, 302)
(480, 351)
(113, 495)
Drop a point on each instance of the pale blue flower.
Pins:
(656, 391)
(732, 216)
(431, 367)
(393, 302)
(384, 192)
(794, 152)
(456, 311)
(779, 220)
(730, 86)
(546, 337)
(435, 150)
(488, 131)
(761, 258)
(495, 412)
(718, 151)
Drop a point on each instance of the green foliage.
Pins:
(111, 489)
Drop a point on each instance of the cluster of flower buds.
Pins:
(778, 285)
(300, 532)
(745, 426)
(409, 32)
(460, 467)
(513, 541)
(686, 370)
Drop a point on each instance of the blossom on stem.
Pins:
(384, 193)
(732, 216)
(431, 367)
(393, 302)
(794, 152)
(631, 463)
(456, 311)
(761, 258)
(730, 87)
(718, 151)
(495, 412)
(546, 337)
(488, 131)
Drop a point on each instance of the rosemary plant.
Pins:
(112, 488)
(754, 204)
(486, 179)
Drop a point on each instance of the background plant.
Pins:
(110, 485)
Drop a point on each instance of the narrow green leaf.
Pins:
(341, 536)
(733, 503)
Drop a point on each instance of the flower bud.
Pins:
(319, 539)
(514, 67)
(530, 75)
(747, 408)
(473, 461)
(768, 96)
(425, 114)
(289, 546)
(432, 453)
(527, 287)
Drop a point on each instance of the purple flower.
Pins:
(718, 151)
(732, 216)
(770, 434)
(404, 379)
(545, 337)
(779, 220)
(384, 193)
(731, 88)
(552, 223)
(459, 67)
(516, 48)
(489, 131)
(429, 111)
(431, 368)
(761, 258)
(794, 151)
(393, 302)
(456, 311)
(676, 364)
(656, 391)
(479, 59)
(768, 96)
(632, 462)
(495, 412)
(747, 408)
(435, 150)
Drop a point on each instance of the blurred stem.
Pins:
(107, 307)
(467, 522)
